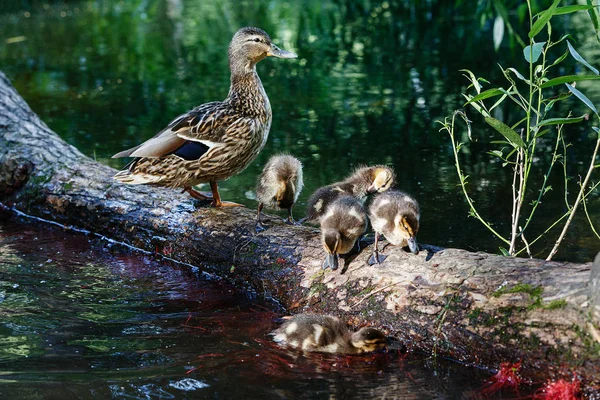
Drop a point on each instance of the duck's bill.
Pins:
(413, 246)
(275, 51)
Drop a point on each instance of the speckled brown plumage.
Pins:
(216, 140)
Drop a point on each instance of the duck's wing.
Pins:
(189, 135)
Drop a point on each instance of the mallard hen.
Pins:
(216, 140)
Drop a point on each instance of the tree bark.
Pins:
(478, 308)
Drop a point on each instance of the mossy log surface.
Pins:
(474, 307)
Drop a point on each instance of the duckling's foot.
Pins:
(301, 221)
(331, 261)
(260, 227)
(376, 258)
(290, 221)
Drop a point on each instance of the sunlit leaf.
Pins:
(569, 78)
(506, 131)
(476, 106)
(485, 95)
(532, 53)
(597, 130)
(504, 251)
(578, 57)
(582, 97)
(560, 121)
(473, 79)
(547, 189)
(571, 9)
(543, 19)
(517, 73)
(496, 153)
(498, 32)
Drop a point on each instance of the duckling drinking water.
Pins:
(364, 181)
(279, 186)
(395, 215)
(343, 223)
(325, 333)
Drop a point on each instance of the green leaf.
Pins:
(560, 121)
(498, 32)
(547, 189)
(485, 95)
(569, 78)
(506, 131)
(560, 59)
(595, 20)
(543, 19)
(532, 53)
(517, 73)
(597, 130)
(582, 97)
(571, 9)
(555, 99)
(578, 57)
(473, 79)
(542, 133)
(496, 153)
(504, 251)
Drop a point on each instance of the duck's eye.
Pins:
(257, 40)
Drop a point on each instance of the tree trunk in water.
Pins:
(478, 308)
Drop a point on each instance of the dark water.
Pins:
(80, 319)
(371, 80)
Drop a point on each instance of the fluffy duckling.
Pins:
(364, 181)
(344, 222)
(279, 186)
(395, 215)
(324, 333)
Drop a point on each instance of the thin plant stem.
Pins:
(565, 215)
(463, 186)
(589, 219)
(577, 201)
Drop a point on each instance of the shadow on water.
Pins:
(371, 80)
(81, 320)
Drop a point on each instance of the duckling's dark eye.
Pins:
(257, 40)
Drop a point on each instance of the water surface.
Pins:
(81, 319)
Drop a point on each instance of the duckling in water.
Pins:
(364, 181)
(395, 215)
(279, 186)
(324, 333)
(344, 222)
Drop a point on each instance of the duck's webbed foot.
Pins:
(260, 227)
(331, 261)
(376, 258)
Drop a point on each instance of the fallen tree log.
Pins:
(475, 307)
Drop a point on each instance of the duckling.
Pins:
(279, 186)
(215, 140)
(325, 333)
(344, 222)
(362, 182)
(395, 215)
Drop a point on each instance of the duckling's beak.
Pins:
(371, 189)
(412, 245)
(275, 51)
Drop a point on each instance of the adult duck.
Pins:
(216, 140)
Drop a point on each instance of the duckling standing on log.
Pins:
(395, 215)
(279, 186)
(216, 140)
(364, 181)
(344, 222)
(325, 333)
